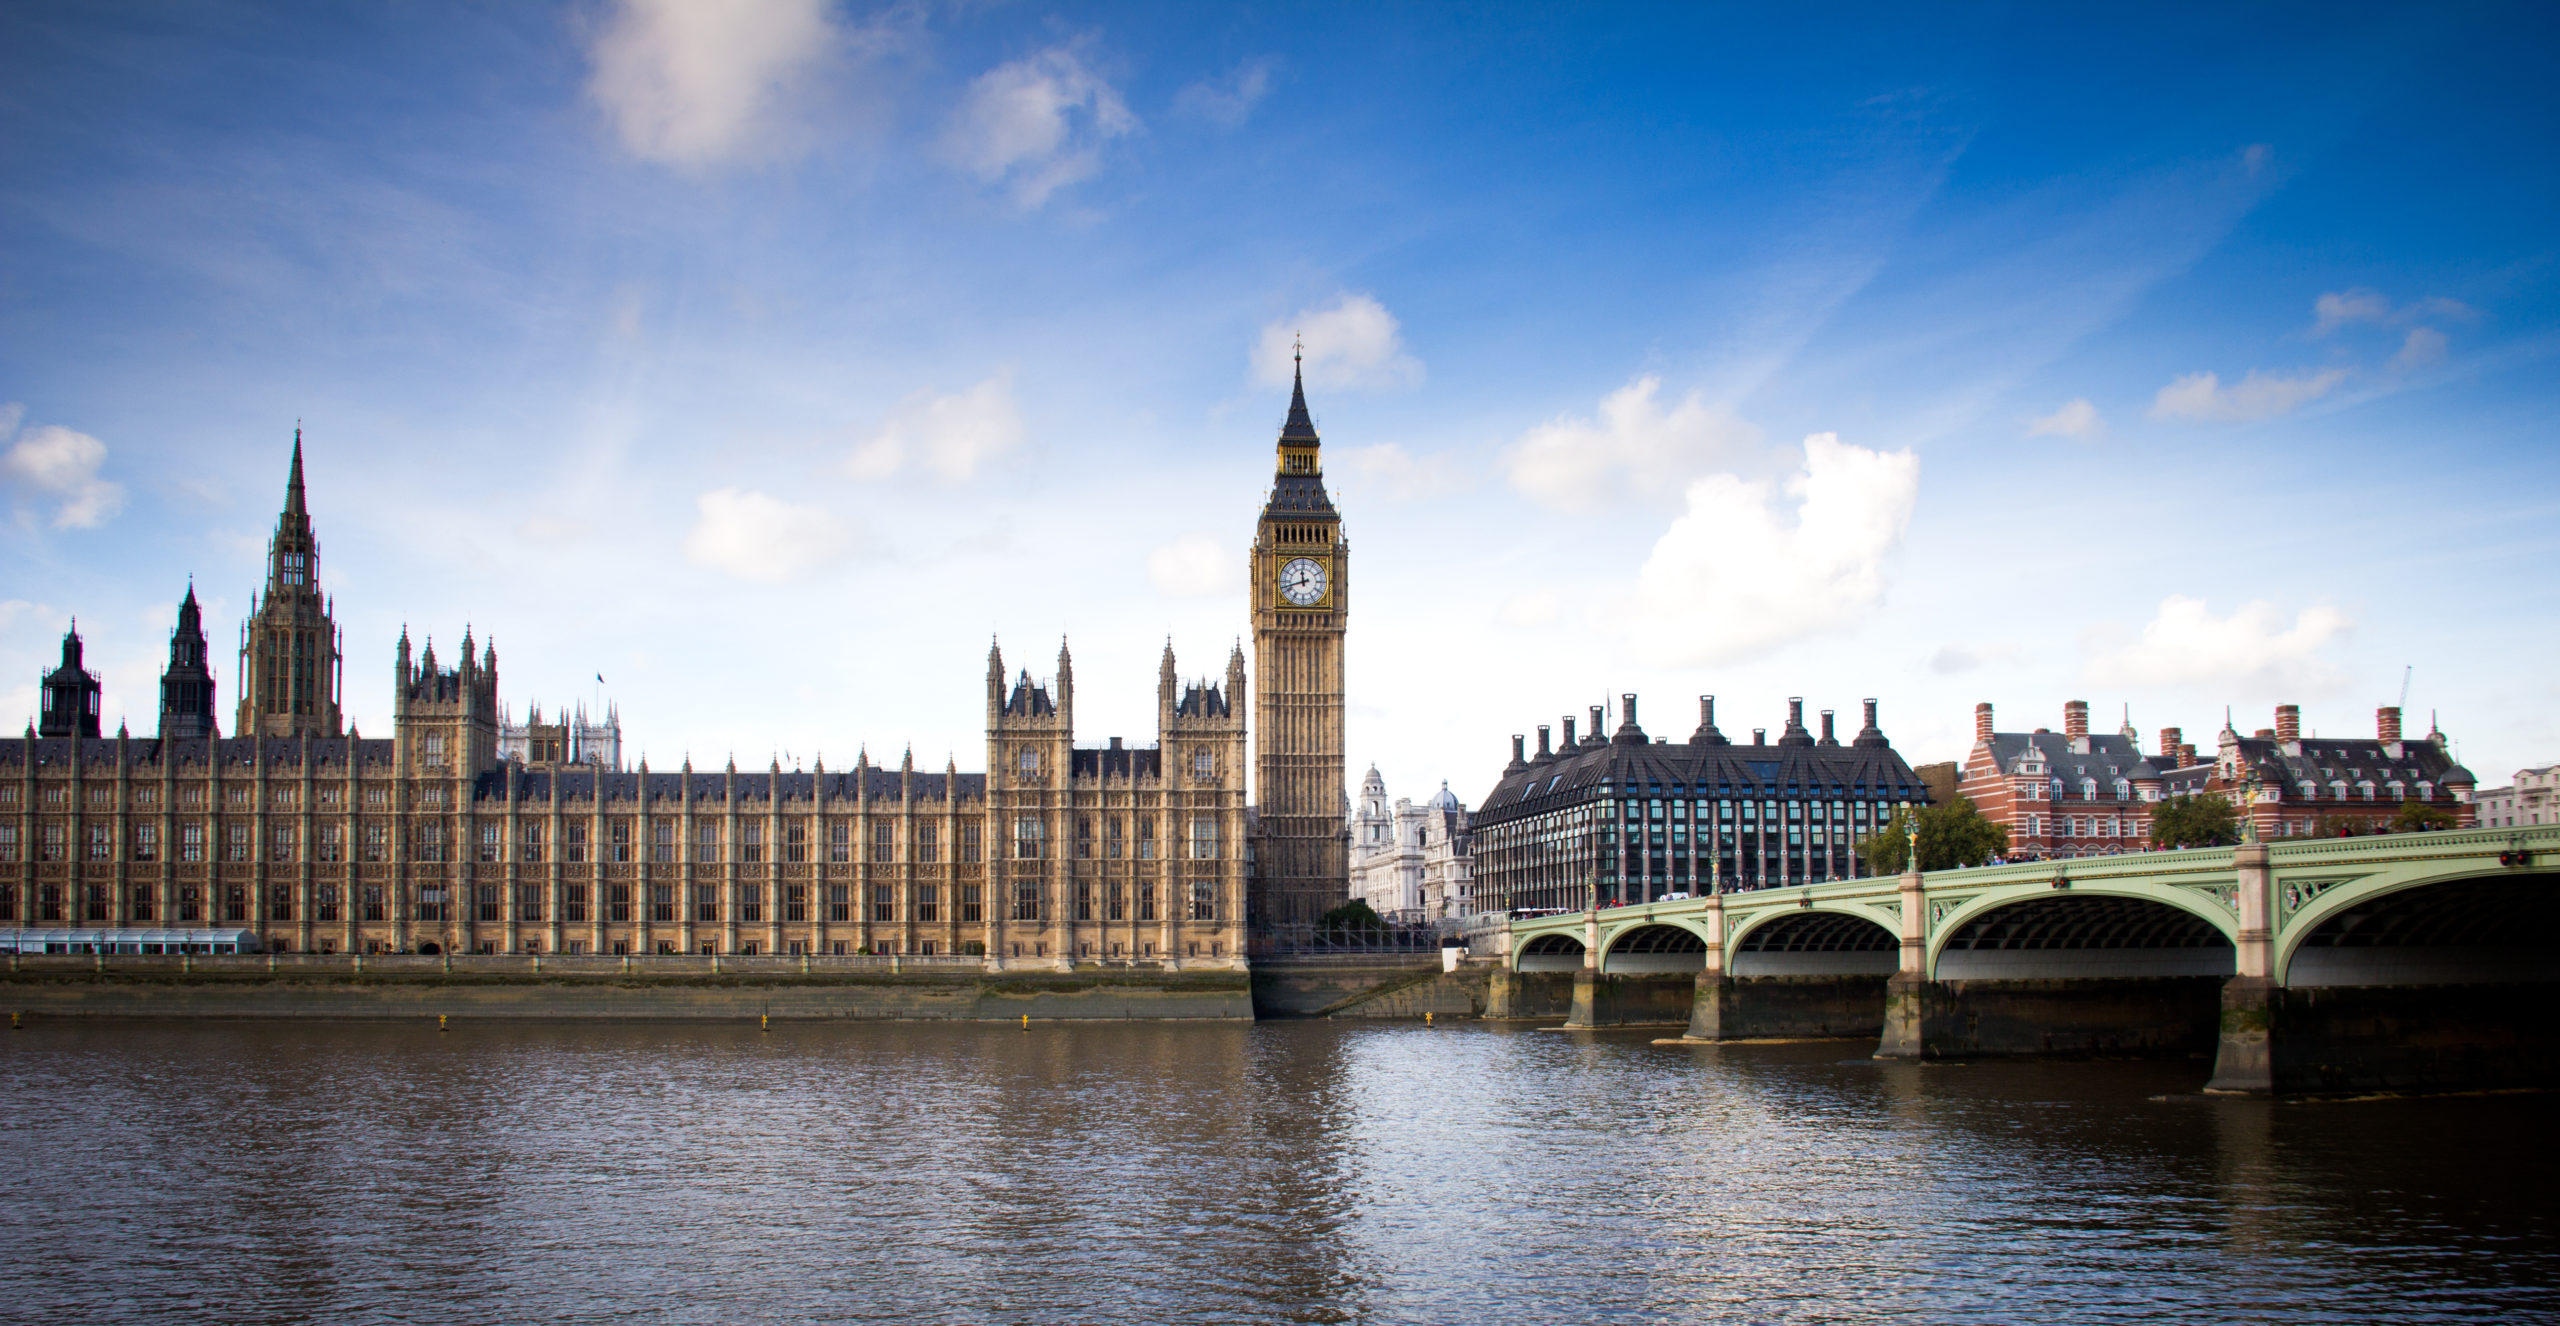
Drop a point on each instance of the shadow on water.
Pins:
(1310, 1172)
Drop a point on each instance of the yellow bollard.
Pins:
(1426, 1018)
(1026, 1022)
(440, 1021)
(764, 1022)
(13, 1023)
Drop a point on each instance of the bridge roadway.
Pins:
(2402, 961)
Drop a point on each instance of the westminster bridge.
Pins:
(2390, 961)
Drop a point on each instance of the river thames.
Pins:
(1151, 1172)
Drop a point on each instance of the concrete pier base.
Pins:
(2357, 1038)
(2133, 1016)
(1528, 996)
(1730, 1008)
(1636, 999)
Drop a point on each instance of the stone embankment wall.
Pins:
(605, 989)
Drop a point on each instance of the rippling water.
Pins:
(1188, 1173)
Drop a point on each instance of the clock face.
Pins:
(1302, 581)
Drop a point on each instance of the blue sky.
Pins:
(769, 358)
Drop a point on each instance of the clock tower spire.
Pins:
(1301, 582)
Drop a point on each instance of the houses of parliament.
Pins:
(464, 833)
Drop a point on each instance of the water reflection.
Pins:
(1160, 1172)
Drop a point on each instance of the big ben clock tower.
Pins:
(1301, 587)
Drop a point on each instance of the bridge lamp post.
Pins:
(2249, 809)
(1911, 839)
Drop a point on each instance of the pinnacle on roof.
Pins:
(1300, 427)
(293, 485)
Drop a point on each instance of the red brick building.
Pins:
(2323, 787)
(2068, 793)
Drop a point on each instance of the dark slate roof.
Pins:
(1699, 770)
(1118, 761)
(758, 785)
(2324, 760)
(1300, 426)
(1202, 701)
(234, 753)
(2111, 756)
(1299, 494)
(1029, 699)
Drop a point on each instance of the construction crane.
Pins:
(2405, 672)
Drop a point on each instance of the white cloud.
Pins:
(1537, 607)
(693, 82)
(2257, 396)
(2252, 650)
(1352, 343)
(755, 536)
(1746, 569)
(2077, 418)
(2341, 308)
(1391, 470)
(2344, 308)
(1226, 100)
(1953, 660)
(52, 463)
(1037, 124)
(1195, 566)
(949, 435)
(2423, 347)
(1634, 448)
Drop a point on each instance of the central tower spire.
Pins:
(289, 657)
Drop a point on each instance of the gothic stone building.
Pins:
(1629, 818)
(304, 839)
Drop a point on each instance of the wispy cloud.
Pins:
(1037, 124)
(2076, 418)
(1635, 448)
(950, 436)
(1228, 99)
(2260, 395)
(2252, 650)
(692, 84)
(1353, 344)
(52, 465)
(756, 536)
(2423, 347)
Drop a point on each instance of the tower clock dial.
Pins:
(1302, 581)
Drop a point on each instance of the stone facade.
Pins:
(430, 841)
(1411, 863)
(2533, 798)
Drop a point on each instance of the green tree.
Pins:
(2417, 817)
(2204, 820)
(1351, 918)
(1952, 834)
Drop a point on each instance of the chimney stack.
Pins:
(1827, 738)
(2169, 739)
(1517, 742)
(2386, 723)
(1568, 734)
(1597, 718)
(1706, 711)
(1543, 749)
(1628, 701)
(2075, 719)
(2186, 756)
(1759, 736)
(1795, 711)
(1982, 721)
(2288, 722)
